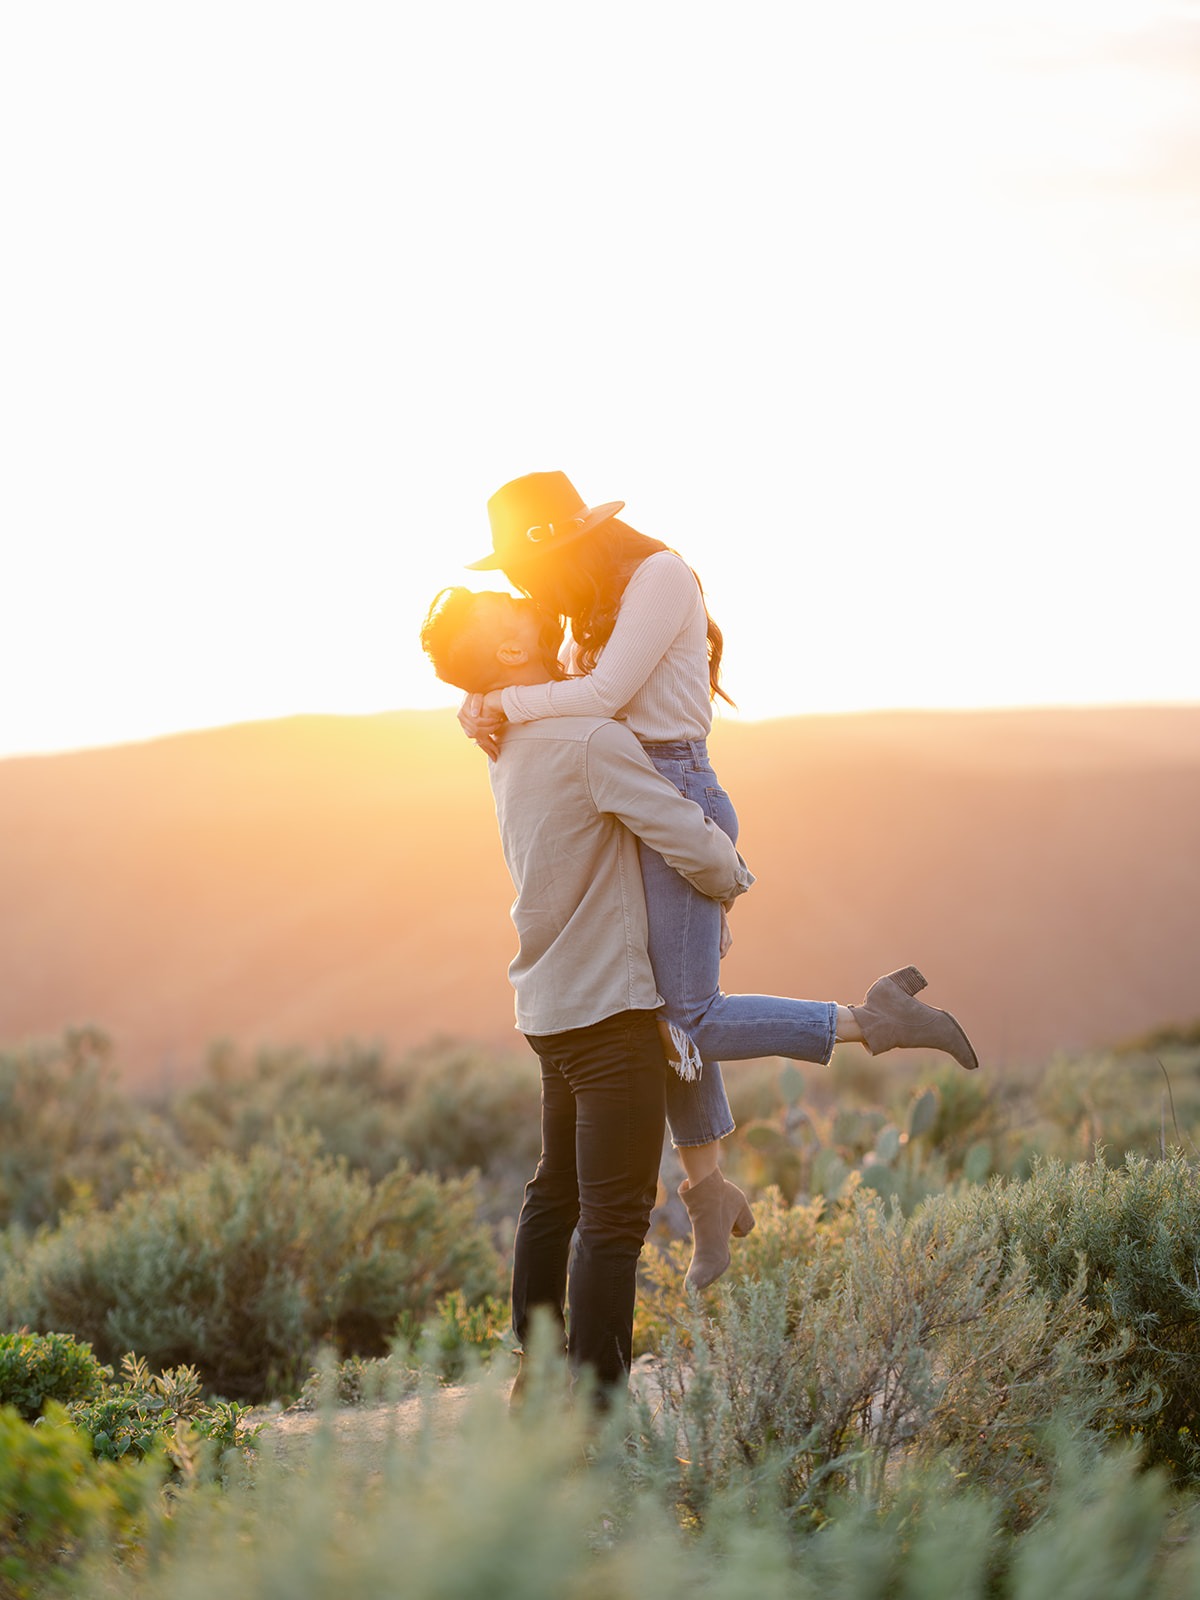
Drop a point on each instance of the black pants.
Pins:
(603, 1113)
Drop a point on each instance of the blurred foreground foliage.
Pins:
(540, 1507)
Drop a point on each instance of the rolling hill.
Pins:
(320, 878)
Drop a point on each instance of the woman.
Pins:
(645, 648)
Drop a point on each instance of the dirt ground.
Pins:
(362, 1433)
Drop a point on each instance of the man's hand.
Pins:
(480, 721)
(726, 937)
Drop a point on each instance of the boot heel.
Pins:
(744, 1223)
(892, 1018)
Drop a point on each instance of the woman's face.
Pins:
(546, 580)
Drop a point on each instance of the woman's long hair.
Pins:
(585, 582)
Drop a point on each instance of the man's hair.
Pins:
(460, 651)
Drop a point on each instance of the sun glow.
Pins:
(889, 327)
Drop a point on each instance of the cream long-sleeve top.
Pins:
(573, 796)
(652, 673)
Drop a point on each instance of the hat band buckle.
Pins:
(541, 532)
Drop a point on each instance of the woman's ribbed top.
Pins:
(653, 672)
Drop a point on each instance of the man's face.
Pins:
(521, 632)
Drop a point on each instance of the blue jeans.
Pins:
(602, 1131)
(685, 932)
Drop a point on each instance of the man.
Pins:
(573, 796)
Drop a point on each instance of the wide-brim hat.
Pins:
(540, 512)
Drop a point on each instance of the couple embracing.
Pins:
(621, 845)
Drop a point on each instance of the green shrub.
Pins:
(1126, 1102)
(444, 1109)
(1106, 1531)
(937, 1129)
(68, 1135)
(468, 1112)
(244, 1269)
(783, 1237)
(1168, 1036)
(164, 1412)
(358, 1381)
(36, 1367)
(885, 1339)
(805, 1131)
(1137, 1229)
(456, 1336)
(72, 1139)
(57, 1504)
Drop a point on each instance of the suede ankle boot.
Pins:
(717, 1208)
(891, 1018)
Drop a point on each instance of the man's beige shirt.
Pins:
(573, 796)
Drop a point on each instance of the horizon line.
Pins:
(723, 714)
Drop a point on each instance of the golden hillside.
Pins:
(319, 878)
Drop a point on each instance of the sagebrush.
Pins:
(244, 1269)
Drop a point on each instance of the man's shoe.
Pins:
(891, 1018)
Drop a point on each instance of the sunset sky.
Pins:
(886, 316)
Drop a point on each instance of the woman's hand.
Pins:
(480, 719)
(726, 939)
